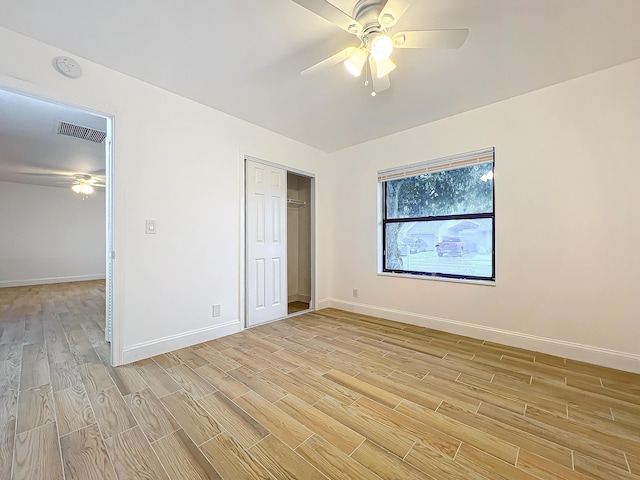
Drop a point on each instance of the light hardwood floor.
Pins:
(322, 395)
(295, 307)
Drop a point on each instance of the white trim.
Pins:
(110, 247)
(152, 348)
(325, 303)
(242, 286)
(45, 98)
(26, 89)
(114, 213)
(278, 165)
(489, 283)
(313, 254)
(242, 300)
(45, 281)
(586, 353)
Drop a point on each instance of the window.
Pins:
(438, 217)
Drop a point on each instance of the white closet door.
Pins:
(266, 236)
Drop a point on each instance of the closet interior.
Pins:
(298, 242)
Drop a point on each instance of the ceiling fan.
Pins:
(372, 22)
(83, 183)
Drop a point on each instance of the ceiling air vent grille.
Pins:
(78, 131)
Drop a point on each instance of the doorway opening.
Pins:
(57, 163)
(279, 242)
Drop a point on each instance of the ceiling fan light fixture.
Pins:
(355, 63)
(381, 47)
(384, 67)
(83, 188)
(387, 19)
(399, 40)
(371, 22)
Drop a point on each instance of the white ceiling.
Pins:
(243, 57)
(31, 150)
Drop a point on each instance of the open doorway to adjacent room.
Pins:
(57, 216)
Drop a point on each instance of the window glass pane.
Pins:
(449, 192)
(449, 247)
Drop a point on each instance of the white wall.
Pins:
(50, 235)
(177, 162)
(567, 228)
(566, 177)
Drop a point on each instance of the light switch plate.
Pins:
(150, 227)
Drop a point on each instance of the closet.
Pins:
(298, 242)
(278, 242)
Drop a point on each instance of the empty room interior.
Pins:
(309, 239)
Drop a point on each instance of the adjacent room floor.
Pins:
(322, 395)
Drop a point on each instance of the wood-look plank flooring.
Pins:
(295, 307)
(323, 395)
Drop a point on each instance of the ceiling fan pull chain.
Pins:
(370, 71)
(366, 74)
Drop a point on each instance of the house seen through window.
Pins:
(438, 217)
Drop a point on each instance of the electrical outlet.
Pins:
(355, 293)
(216, 310)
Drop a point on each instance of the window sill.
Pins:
(489, 283)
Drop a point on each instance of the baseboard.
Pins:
(324, 303)
(151, 348)
(299, 298)
(585, 353)
(45, 281)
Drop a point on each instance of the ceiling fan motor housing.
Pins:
(367, 13)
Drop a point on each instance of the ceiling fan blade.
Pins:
(331, 13)
(431, 38)
(392, 11)
(51, 175)
(331, 61)
(379, 84)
